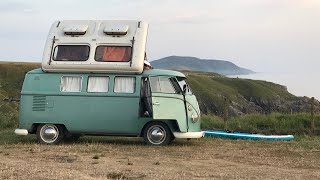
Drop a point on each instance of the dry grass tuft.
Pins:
(130, 163)
(95, 157)
(117, 175)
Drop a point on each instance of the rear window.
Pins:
(71, 53)
(113, 54)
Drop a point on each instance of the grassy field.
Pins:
(11, 79)
(129, 158)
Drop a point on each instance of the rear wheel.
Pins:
(49, 133)
(157, 133)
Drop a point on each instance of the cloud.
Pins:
(15, 7)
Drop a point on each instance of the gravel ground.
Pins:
(129, 158)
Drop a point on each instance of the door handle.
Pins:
(156, 103)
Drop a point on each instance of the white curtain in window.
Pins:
(71, 83)
(98, 84)
(124, 84)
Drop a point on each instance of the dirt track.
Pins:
(128, 158)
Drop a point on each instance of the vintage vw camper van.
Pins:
(61, 100)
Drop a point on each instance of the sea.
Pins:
(299, 84)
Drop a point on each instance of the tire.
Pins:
(50, 134)
(158, 134)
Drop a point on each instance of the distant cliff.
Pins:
(196, 64)
(244, 96)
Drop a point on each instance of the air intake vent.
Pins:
(116, 30)
(39, 103)
(75, 30)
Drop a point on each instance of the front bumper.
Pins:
(21, 132)
(188, 134)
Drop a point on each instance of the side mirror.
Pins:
(184, 89)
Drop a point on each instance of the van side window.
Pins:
(70, 83)
(113, 53)
(124, 84)
(162, 85)
(98, 84)
(71, 53)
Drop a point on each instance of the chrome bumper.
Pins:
(21, 132)
(188, 134)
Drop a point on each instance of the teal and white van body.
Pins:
(94, 85)
(157, 105)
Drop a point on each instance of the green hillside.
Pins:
(243, 95)
(12, 75)
(11, 79)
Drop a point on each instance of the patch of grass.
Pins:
(12, 75)
(274, 123)
(8, 137)
(64, 158)
(117, 175)
(211, 122)
(8, 116)
(11, 80)
(308, 142)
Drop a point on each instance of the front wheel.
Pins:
(49, 133)
(157, 133)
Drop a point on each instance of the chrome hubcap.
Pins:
(156, 134)
(49, 133)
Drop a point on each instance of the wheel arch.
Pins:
(34, 127)
(172, 124)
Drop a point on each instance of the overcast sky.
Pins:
(262, 35)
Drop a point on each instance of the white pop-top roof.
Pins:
(95, 34)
